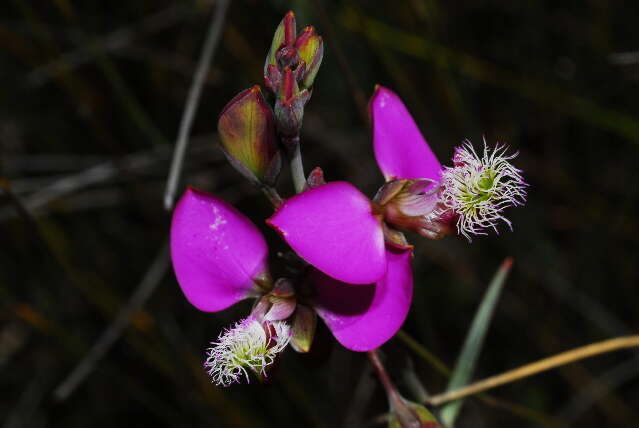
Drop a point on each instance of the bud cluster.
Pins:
(289, 72)
(249, 125)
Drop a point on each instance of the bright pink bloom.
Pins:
(334, 228)
(219, 258)
(400, 149)
(216, 252)
(337, 229)
(433, 200)
(363, 317)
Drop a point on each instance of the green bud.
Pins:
(303, 329)
(247, 133)
(284, 36)
(310, 48)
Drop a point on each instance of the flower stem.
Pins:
(380, 371)
(397, 404)
(272, 195)
(297, 168)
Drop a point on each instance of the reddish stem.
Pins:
(406, 416)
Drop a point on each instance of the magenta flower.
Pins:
(220, 258)
(341, 232)
(335, 228)
(423, 196)
(364, 317)
(218, 255)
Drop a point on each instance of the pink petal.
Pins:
(400, 149)
(366, 316)
(216, 251)
(333, 228)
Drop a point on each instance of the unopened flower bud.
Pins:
(289, 106)
(285, 35)
(289, 88)
(272, 78)
(310, 48)
(250, 345)
(247, 133)
(315, 179)
(303, 329)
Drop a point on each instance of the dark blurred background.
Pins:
(92, 94)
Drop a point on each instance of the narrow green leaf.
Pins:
(465, 365)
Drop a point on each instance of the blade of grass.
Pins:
(474, 341)
(514, 408)
(549, 363)
(424, 353)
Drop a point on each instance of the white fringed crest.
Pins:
(249, 344)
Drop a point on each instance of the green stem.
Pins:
(297, 168)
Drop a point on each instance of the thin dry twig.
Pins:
(97, 174)
(514, 408)
(79, 180)
(113, 41)
(624, 58)
(145, 289)
(192, 101)
(537, 367)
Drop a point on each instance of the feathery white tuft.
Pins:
(249, 344)
(478, 189)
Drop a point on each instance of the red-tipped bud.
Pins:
(288, 87)
(247, 133)
(285, 35)
(289, 106)
(272, 78)
(290, 30)
(310, 49)
(315, 179)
